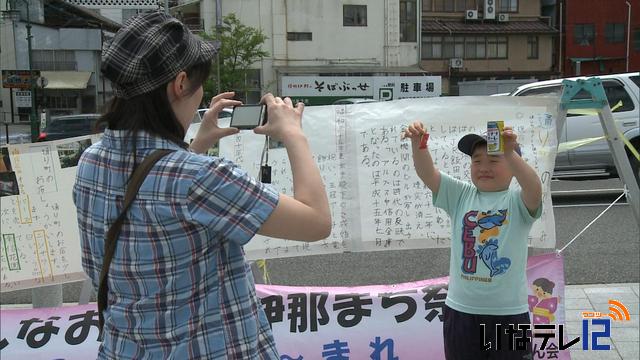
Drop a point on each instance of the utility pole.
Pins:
(628, 33)
(218, 34)
(34, 119)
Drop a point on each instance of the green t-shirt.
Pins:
(488, 248)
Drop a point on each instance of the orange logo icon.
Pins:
(618, 312)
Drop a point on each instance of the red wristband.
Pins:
(423, 141)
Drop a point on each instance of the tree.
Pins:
(240, 47)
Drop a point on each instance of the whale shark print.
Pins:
(489, 255)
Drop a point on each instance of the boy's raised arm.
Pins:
(422, 161)
(524, 173)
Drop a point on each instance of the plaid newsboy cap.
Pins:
(149, 51)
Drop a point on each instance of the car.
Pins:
(595, 159)
(68, 126)
(349, 101)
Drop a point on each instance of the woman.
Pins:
(178, 284)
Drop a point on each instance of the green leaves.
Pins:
(241, 46)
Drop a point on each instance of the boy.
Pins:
(490, 225)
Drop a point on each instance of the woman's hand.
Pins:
(209, 132)
(284, 121)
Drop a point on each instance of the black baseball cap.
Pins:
(469, 142)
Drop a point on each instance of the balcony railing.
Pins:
(195, 24)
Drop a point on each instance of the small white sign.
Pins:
(23, 99)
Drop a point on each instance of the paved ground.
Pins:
(625, 335)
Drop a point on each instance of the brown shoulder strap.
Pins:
(112, 235)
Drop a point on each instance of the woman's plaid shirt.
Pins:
(179, 286)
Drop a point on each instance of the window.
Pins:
(468, 47)
(616, 93)
(254, 86)
(299, 36)
(583, 34)
(636, 39)
(432, 47)
(56, 100)
(475, 47)
(354, 15)
(554, 90)
(453, 47)
(449, 5)
(508, 6)
(408, 18)
(496, 47)
(444, 5)
(532, 47)
(614, 33)
(54, 60)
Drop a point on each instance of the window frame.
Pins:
(611, 34)
(476, 42)
(457, 46)
(582, 27)
(509, 6)
(355, 7)
(498, 41)
(408, 24)
(533, 42)
(298, 36)
(433, 41)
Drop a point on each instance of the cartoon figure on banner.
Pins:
(542, 305)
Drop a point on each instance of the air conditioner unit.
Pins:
(489, 9)
(503, 17)
(472, 15)
(456, 63)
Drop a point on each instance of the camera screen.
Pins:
(247, 116)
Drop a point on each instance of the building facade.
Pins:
(66, 46)
(308, 40)
(600, 37)
(499, 42)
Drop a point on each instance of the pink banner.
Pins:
(402, 321)
(545, 277)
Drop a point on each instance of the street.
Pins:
(606, 253)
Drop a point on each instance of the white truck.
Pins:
(595, 159)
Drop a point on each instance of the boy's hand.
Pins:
(413, 131)
(510, 139)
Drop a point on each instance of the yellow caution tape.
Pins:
(566, 146)
(262, 265)
(592, 111)
(630, 146)
(570, 145)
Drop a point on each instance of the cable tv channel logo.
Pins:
(595, 326)
(592, 319)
